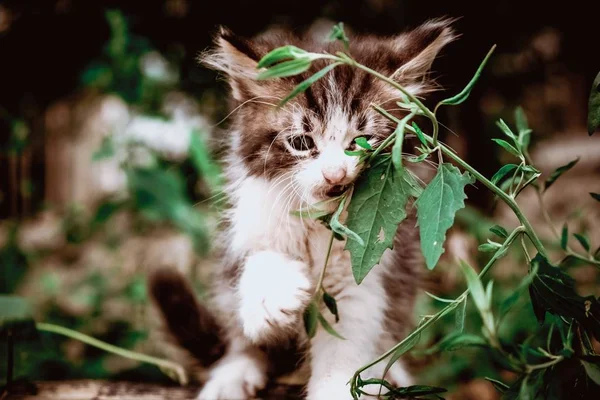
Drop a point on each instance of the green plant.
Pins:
(575, 319)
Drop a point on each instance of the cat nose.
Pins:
(334, 176)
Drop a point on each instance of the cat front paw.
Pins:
(273, 290)
(235, 378)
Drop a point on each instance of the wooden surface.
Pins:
(105, 390)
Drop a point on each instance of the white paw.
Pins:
(273, 292)
(336, 387)
(237, 378)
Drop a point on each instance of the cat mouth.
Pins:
(336, 190)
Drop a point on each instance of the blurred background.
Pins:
(109, 147)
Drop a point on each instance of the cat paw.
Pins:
(274, 290)
(238, 378)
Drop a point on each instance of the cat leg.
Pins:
(273, 292)
(334, 361)
(239, 375)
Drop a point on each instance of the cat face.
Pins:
(302, 145)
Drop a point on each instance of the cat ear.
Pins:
(420, 47)
(236, 58)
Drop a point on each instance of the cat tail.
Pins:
(188, 322)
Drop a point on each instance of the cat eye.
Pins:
(301, 142)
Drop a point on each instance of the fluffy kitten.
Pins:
(280, 160)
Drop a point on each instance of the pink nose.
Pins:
(334, 176)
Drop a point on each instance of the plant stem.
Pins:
(164, 365)
(410, 96)
(322, 275)
(450, 307)
(530, 368)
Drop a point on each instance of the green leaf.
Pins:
(363, 142)
(16, 317)
(510, 301)
(436, 208)
(499, 231)
(564, 237)
(311, 317)
(106, 150)
(433, 296)
(459, 317)
(302, 86)
(552, 290)
(377, 207)
(458, 340)
(331, 305)
(328, 327)
(500, 386)
(583, 241)
(337, 33)
(339, 228)
(397, 148)
(353, 153)
(420, 134)
(594, 107)
(592, 371)
(464, 94)
(488, 247)
(417, 159)
(508, 147)
(281, 54)
(502, 172)
(286, 68)
(595, 196)
(475, 287)
(506, 129)
(408, 343)
(558, 172)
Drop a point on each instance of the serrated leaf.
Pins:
(558, 173)
(284, 69)
(328, 327)
(583, 241)
(552, 290)
(594, 107)
(459, 317)
(363, 142)
(592, 371)
(302, 86)
(281, 54)
(502, 172)
(564, 237)
(436, 208)
(595, 196)
(311, 317)
(331, 305)
(499, 231)
(464, 94)
(508, 147)
(377, 207)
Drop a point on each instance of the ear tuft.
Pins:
(422, 46)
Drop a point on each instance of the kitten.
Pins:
(281, 160)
